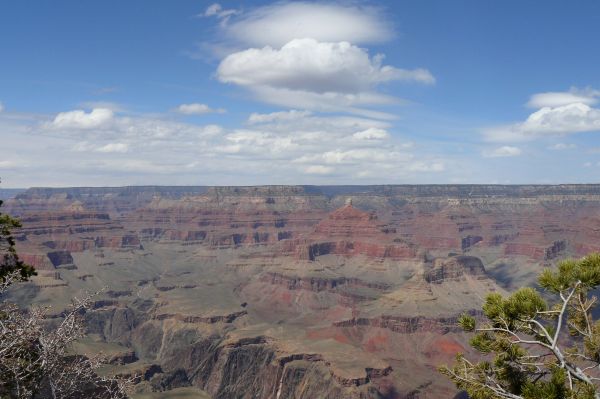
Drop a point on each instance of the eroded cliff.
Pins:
(293, 291)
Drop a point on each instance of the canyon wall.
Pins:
(293, 291)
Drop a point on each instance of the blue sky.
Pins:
(349, 92)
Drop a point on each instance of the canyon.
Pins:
(277, 292)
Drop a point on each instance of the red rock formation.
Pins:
(349, 231)
(39, 261)
(349, 222)
(47, 239)
(245, 243)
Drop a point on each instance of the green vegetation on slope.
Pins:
(535, 348)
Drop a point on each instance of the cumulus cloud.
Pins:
(198, 109)
(564, 119)
(308, 55)
(502, 152)
(309, 65)
(80, 119)
(313, 75)
(548, 121)
(371, 133)
(561, 114)
(278, 24)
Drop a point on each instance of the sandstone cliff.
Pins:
(293, 291)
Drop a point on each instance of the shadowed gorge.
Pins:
(292, 291)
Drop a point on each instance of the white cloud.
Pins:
(216, 10)
(306, 55)
(318, 170)
(86, 146)
(212, 10)
(79, 119)
(7, 164)
(260, 143)
(501, 152)
(327, 102)
(562, 120)
(312, 66)
(505, 134)
(562, 146)
(281, 147)
(371, 134)
(570, 118)
(557, 99)
(83, 146)
(312, 75)
(360, 155)
(290, 115)
(1, 106)
(114, 147)
(277, 24)
(557, 117)
(198, 109)
(141, 130)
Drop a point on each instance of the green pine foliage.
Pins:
(9, 259)
(533, 346)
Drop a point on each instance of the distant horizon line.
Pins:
(311, 185)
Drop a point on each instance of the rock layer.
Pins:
(294, 291)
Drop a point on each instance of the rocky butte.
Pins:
(280, 292)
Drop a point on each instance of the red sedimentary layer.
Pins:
(220, 226)
(270, 228)
(349, 231)
(47, 239)
(39, 261)
(542, 228)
